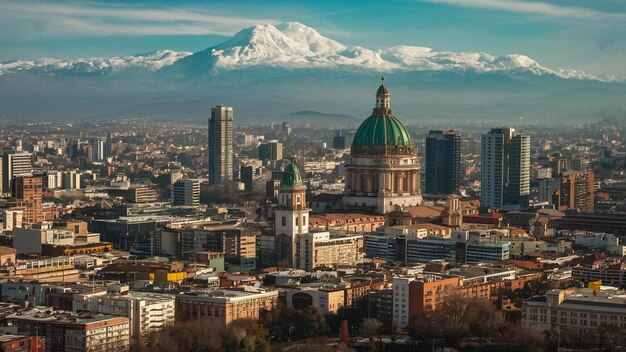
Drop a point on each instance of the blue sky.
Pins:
(582, 34)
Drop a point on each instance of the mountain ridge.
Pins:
(292, 45)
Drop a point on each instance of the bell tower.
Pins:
(292, 216)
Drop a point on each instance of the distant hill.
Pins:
(330, 119)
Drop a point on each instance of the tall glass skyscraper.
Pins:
(443, 162)
(221, 152)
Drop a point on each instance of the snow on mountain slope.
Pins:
(149, 62)
(294, 46)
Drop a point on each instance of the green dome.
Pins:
(291, 176)
(382, 130)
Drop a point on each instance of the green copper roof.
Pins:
(382, 130)
(292, 176)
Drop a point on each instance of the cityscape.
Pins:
(283, 191)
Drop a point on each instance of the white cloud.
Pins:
(537, 8)
(101, 19)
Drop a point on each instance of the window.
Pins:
(284, 221)
(297, 221)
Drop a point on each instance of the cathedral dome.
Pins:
(382, 128)
(291, 176)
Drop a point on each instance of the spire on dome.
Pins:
(383, 99)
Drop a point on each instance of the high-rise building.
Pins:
(286, 128)
(272, 150)
(71, 179)
(505, 169)
(546, 189)
(14, 164)
(11, 218)
(245, 173)
(98, 151)
(292, 216)
(443, 162)
(383, 170)
(186, 192)
(221, 152)
(27, 191)
(576, 191)
(339, 141)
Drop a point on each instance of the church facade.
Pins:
(383, 169)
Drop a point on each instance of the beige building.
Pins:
(220, 307)
(327, 298)
(354, 222)
(323, 249)
(7, 256)
(580, 311)
(12, 218)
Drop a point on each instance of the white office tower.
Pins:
(14, 164)
(505, 170)
(98, 152)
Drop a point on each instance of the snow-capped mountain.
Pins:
(295, 46)
(271, 71)
(95, 66)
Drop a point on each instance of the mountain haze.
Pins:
(268, 72)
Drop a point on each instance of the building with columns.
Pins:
(383, 170)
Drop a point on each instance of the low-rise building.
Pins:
(64, 331)
(323, 249)
(327, 298)
(582, 311)
(20, 343)
(416, 294)
(220, 307)
(610, 275)
(146, 311)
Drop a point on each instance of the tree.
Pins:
(289, 324)
(395, 334)
(421, 327)
(486, 321)
(553, 338)
(370, 327)
(246, 335)
(186, 336)
(452, 318)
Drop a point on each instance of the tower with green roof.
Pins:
(292, 216)
(383, 171)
